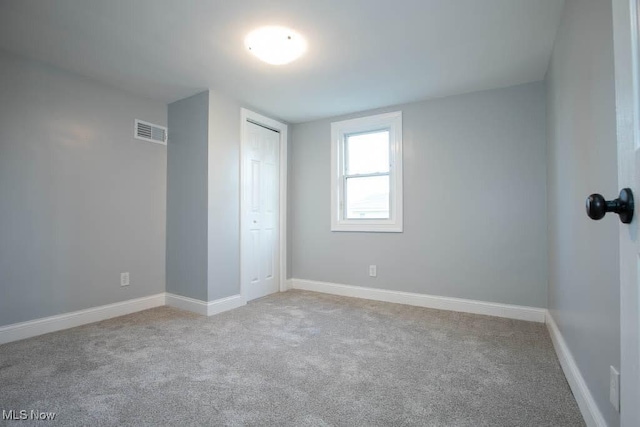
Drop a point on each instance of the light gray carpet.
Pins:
(293, 359)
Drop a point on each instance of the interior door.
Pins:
(625, 34)
(260, 222)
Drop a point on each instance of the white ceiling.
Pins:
(362, 53)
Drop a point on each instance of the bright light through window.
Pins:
(368, 152)
(366, 180)
(367, 175)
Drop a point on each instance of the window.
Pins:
(366, 174)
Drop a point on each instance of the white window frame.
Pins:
(339, 132)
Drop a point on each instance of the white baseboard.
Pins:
(188, 304)
(32, 328)
(531, 314)
(225, 304)
(288, 284)
(205, 308)
(587, 404)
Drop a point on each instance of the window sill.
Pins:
(368, 228)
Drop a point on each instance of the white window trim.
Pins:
(387, 121)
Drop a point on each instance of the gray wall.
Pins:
(290, 209)
(474, 203)
(224, 196)
(187, 199)
(583, 254)
(203, 201)
(81, 199)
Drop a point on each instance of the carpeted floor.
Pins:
(292, 359)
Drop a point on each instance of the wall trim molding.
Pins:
(587, 404)
(45, 325)
(532, 314)
(202, 307)
(225, 304)
(185, 303)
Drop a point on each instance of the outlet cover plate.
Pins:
(124, 279)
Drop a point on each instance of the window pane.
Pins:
(367, 197)
(367, 153)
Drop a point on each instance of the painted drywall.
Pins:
(82, 200)
(203, 202)
(187, 197)
(583, 254)
(474, 202)
(224, 197)
(289, 231)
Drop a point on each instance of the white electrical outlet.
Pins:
(373, 271)
(124, 279)
(614, 387)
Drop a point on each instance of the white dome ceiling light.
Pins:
(275, 45)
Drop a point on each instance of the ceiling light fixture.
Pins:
(275, 45)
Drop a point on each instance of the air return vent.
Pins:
(150, 132)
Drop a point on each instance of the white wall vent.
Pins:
(150, 132)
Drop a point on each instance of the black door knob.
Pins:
(597, 206)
